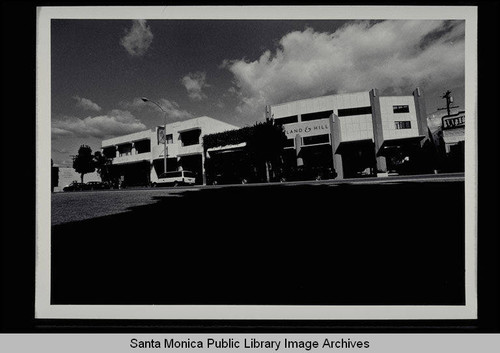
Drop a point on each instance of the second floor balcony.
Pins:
(130, 158)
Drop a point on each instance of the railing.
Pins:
(146, 156)
(192, 149)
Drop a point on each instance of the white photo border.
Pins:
(43, 307)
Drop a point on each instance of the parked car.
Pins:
(97, 185)
(75, 186)
(229, 179)
(181, 177)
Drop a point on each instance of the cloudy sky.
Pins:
(229, 70)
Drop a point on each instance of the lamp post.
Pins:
(144, 99)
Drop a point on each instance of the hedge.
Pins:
(231, 137)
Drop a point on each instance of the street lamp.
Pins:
(144, 99)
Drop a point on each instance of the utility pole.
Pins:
(449, 101)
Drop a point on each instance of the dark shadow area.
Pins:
(397, 244)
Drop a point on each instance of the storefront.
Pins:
(451, 142)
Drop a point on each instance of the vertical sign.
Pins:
(160, 133)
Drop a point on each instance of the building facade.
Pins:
(453, 131)
(353, 134)
(449, 141)
(138, 158)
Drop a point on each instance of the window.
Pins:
(142, 146)
(403, 125)
(317, 115)
(125, 150)
(169, 138)
(191, 137)
(355, 111)
(314, 140)
(400, 109)
(289, 143)
(109, 152)
(286, 120)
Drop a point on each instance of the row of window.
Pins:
(310, 140)
(341, 112)
(324, 115)
(400, 109)
(354, 111)
(287, 120)
(317, 115)
(325, 138)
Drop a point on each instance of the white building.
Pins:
(356, 133)
(138, 158)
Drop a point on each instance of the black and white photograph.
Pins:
(256, 163)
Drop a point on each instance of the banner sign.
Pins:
(160, 132)
(307, 128)
(455, 121)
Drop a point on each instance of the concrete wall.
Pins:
(356, 127)
(389, 118)
(127, 138)
(333, 102)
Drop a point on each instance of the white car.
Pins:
(180, 177)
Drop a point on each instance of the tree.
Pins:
(265, 144)
(83, 162)
(101, 164)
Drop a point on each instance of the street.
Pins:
(391, 241)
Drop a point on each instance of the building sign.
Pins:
(455, 121)
(307, 128)
(161, 134)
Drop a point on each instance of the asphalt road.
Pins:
(391, 242)
(76, 206)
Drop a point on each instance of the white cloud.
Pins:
(138, 39)
(59, 132)
(115, 123)
(174, 112)
(135, 104)
(194, 83)
(393, 56)
(61, 150)
(86, 104)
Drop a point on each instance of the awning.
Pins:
(349, 145)
(452, 136)
(226, 148)
(394, 143)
